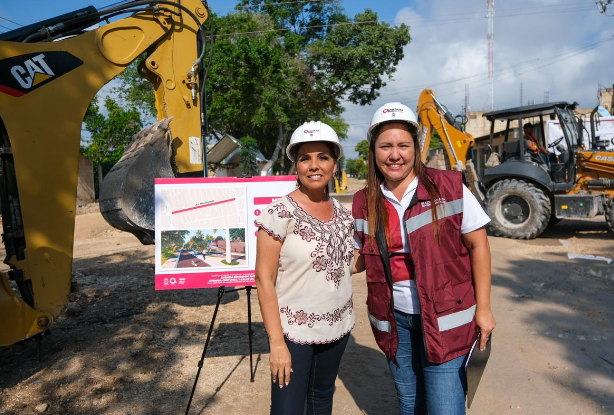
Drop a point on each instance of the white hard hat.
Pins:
(314, 131)
(392, 112)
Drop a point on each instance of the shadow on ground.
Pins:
(365, 373)
(118, 345)
(581, 319)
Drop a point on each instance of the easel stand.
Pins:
(220, 294)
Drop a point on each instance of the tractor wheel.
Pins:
(517, 209)
(609, 215)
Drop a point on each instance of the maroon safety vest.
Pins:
(442, 272)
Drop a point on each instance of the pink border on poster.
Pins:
(204, 280)
(193, 180)
(182, 281)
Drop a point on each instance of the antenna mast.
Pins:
(490, 15)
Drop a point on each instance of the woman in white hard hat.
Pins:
(303, 275)
(420, 236)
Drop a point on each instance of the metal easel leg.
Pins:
(220, 294)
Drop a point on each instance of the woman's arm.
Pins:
(479, 249)
(267, 260)
(359, 262)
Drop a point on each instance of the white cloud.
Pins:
(537, 43)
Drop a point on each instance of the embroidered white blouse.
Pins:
(314, 284)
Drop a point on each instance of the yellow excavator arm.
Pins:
(433, 116)
(45, 89)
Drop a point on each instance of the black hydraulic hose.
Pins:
(87, 16)
(204, 119)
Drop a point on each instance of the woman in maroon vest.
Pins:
(420, 236)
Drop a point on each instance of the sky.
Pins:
(560, 48)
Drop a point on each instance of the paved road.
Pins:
(188, 260)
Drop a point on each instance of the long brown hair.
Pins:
(377, 214)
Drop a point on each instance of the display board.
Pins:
(205, 231)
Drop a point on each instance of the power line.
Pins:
(424, 22)
(535, 61)
(4, 18)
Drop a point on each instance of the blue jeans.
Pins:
(312, 382)
(424, 387)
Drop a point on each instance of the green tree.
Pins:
(350, 167)
(435, 140)
(171, 242)
(296, 61)
(237, 234)
(265, 84)
(136, 91)
(362, 148)
(249, 164)
(110, 134)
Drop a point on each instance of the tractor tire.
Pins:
(517, 209)
(609, 215)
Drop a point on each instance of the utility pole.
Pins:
(466, 107)
(490, 15)
(521, 93)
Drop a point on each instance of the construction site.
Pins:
(119, 238)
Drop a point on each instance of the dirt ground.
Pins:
(123, 348)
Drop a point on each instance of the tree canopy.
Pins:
(279, 64)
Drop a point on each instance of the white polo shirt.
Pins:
(404, 292)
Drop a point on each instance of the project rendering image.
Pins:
(203, 248)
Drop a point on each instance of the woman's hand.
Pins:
(281, 364)
(486, 322)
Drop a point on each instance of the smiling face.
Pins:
(395, 155)
(315, 165)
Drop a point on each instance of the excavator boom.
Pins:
(45, 90)
(434, 117)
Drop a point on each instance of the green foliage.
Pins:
(249, 164)
(111, 134)
(299, 62)
(135, 90)
(362, 148)
(435, 140)
(171, 242)
(197, 242)
(272, 80)
(356, 168)
(237, 234)
(229, 263)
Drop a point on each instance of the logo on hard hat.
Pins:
(393, 110)
(311, 132)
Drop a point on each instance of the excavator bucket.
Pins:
(127, 192)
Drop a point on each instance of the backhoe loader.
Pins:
(524, 194)
(49, 73)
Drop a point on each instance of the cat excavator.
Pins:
(49, 73)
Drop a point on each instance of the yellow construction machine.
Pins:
(49, 73)
(524, 193)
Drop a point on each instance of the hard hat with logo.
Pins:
(314, 131)
(392, 112)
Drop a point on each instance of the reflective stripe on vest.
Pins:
(380, 325)
(452, 321)
(361, 225)
(443, 211)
